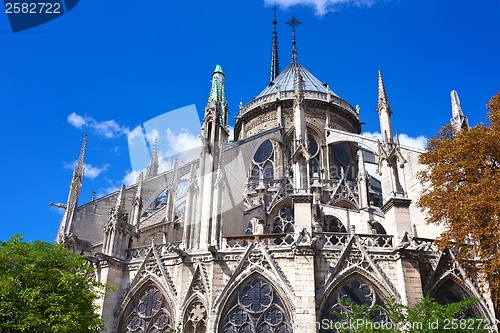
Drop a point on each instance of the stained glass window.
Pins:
(264, 152)
(255, 307)
(314, 165)
(148, 312)
(355, 290)
(263, 163)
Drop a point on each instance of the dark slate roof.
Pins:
(285, 81)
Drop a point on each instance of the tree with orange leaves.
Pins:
(462, 191)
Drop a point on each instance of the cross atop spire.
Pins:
(293, 22)
(275, 67)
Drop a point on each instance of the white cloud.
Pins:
(76, 120)
(90, 171)
(130, 177)
(181, 142)
(107, 128)
(420, 142)
(183, 146)
(323, 6)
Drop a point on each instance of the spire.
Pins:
(458, 120)
(74, 193)
(382, 95)
(137, 205)
(275, 67)
(172, 193)
(384, 111)
(117, 231)
(138, 194)
(79, 165)
(153, 162)
(298, 86)
(362, 181)
(299, 110)
(293, 22)
(193, 179)
(119, 210)
(217, 96)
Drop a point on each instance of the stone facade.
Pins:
(268, 232)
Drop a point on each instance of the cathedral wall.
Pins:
(414, 188)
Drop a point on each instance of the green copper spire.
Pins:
(218, 69)
(217, 96)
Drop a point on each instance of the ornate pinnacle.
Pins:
(153, 162)
(217, 96)
(79, 165)
(382, 96)
(458, 120)
(117, 213)
(193, 180)
(298, 86)
(293, 22)
(138, 194)
(275, 68)
(120, 200)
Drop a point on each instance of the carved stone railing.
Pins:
(138, 253)
(238, 242)
(332, 239)
(315, 95)
(339, 240)
(377, 241)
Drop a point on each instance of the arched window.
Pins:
(451, 292)
(195, 318)
(263, 164)
(340, 158)
(354, 290)
(255, 307)
(333, 224)
(148, 312)
(314, 165)
(283, 222)
(377, 228)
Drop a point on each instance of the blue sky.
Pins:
(106, 67)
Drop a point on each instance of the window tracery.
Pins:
(255, 307)
(263, 164)
(354, 290)
(314, 165)
(148, 313)
(195, 318)
(333, 224)
(284, 222)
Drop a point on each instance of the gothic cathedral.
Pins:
(269, 231)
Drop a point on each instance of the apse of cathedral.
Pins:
(270, 231)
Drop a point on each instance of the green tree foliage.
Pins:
(462, 192)
(427, 316)
(46, 288)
